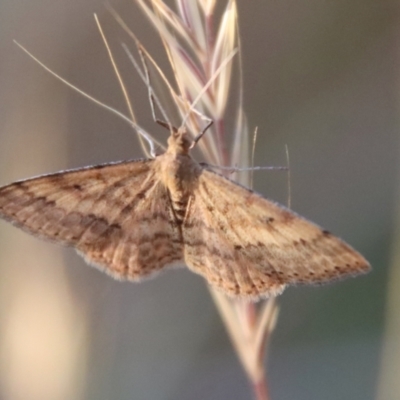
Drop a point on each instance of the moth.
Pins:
(133, 219)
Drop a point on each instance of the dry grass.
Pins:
(204, 53)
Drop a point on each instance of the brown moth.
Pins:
(135, 218)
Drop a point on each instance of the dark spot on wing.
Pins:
(141, 195)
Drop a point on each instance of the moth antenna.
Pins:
(151, 93)
(289, 202)
(200, 135)
(154, 96)
(132, 59)
(170, 128)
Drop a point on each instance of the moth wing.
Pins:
(249, 246)
(118, 216)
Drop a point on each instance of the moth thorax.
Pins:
(179, 142)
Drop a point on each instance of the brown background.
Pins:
(319, 76)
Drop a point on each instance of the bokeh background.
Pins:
(321, 77)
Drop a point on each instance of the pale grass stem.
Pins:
(202, 68)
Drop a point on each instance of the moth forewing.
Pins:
(249, 246)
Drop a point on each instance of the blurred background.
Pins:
(319, 76)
